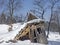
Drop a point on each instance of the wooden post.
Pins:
(38, 35)
(41, 37)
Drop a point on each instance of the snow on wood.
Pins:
(35, 21)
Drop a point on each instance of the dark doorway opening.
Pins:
(34, 33)
(39, 30)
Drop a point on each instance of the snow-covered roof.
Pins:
(35, 20)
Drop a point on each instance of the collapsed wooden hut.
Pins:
(33, 31)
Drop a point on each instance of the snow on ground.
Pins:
(3, 29)
(26, 42)
(54, 37)
(5, 35)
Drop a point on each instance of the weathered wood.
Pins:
(31, 17)
(38, 37)
(35, 33)
(42, 38)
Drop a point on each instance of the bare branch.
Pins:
(40, 4)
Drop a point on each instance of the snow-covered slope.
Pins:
(54, 37)
(5, 35)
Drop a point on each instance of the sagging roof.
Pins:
(35, 20)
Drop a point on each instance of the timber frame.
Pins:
(33, 32)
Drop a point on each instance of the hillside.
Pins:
(54, 37)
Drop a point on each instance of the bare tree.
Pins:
(58, 12)
(12, 6)
(40, 7)
(3, 18)
(53, 2)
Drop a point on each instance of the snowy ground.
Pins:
(54, 37)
